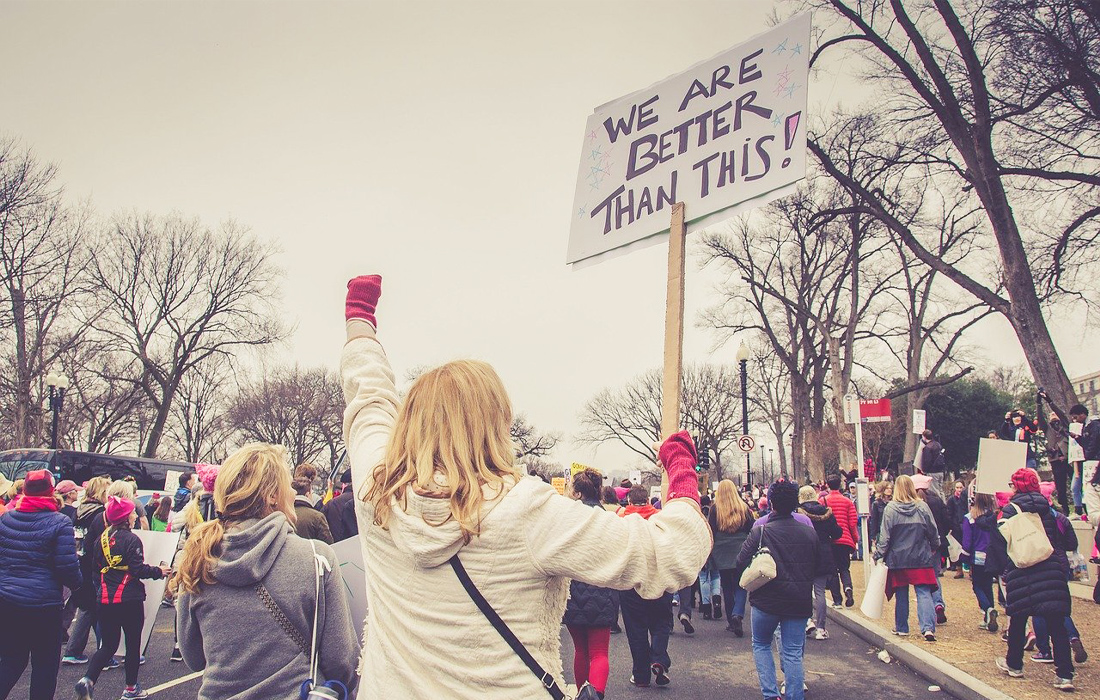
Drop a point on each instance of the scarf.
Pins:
(36, 504)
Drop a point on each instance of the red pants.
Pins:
(590, 655)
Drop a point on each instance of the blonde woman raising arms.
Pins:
(435, 476)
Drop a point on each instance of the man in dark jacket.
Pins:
(183, 493)
(310, 523)
(786, 601)
(931, 460)
(340, 512)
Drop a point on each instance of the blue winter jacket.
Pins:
(37, 558)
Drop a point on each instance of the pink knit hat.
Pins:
(118, 509)
(922, 481)
(1047, 489)
(208, 474)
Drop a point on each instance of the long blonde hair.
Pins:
(904, 490)
(730, 510)
(253, 483)
(456, 421)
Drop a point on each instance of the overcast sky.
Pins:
(436, 143)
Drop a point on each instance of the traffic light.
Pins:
(704, 460)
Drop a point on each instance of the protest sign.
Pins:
(171, 482)
(997, 460)
(635, 476)
(728, 131)
(159, 548)
(920, 419)
(350, 554)
(558, 482)
(574, 468)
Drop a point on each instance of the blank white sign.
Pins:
(997, 460)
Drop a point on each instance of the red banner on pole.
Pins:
(874, 410)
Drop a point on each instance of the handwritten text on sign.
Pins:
(725, 131)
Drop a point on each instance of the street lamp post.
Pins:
(743, 360)
(57, 383)
(771, 462)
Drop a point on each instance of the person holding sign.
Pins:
(445, 508)
(119, 558)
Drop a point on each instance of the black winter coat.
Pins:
(588, 605)
(340, 513)
(89, 519)
(828, 530)
(115, 585)
(956, 512)
(795, 549)
(1042, 589)
(874, 523)
(939, 514)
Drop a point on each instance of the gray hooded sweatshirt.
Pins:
(226, 630)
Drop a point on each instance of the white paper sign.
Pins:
(636, 476)
(726, 131)
(350, 554)
(919, 418)
(158, 547)
(171, 482)
(997, 460)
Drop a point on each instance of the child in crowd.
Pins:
(977, 527)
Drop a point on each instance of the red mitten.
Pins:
(678, 455)
(362, 300)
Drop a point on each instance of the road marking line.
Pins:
(174, 683)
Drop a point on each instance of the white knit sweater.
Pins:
(425, 638)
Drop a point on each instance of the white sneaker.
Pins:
(810, 627)
(821, 635)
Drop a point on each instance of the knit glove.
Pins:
(678, 456)
(362, 300)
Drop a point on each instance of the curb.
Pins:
(932, 668)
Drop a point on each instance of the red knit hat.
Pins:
(1025, 480)
(38, 483)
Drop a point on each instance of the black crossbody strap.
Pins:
(501, 627)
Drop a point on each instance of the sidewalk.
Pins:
(963, 646)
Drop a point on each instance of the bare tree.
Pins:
(769, 386)
(198, 428)
(531, 443)
(179, 293)
(291, 407)
(43, 264)
(1004, 142)
(104, 404)
(631, 414)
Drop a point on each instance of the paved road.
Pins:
(711, 664)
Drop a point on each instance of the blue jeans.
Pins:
(1075, 488)
(710, 584)
(926, 609)
(983, 586)
(792, 632)
(937, 595)
(1042, 632)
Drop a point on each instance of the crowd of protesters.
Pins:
(438, 503)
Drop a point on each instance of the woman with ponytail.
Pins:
(247, 600)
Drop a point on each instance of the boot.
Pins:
(706, 608)
(716, 605)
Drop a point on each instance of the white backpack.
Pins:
(1027, 540)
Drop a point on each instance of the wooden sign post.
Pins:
(674, 332)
